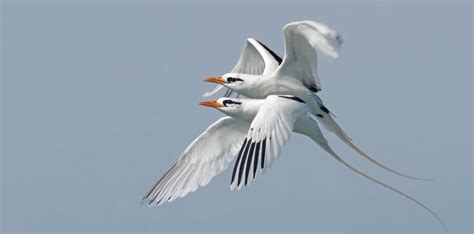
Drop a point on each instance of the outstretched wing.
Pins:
(269, 131)
(303, 40)
(207, 156)
(255, 59)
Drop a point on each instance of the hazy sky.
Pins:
(99, 98)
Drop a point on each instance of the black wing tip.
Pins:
(249, 153)
(145, 202)
(237, 162)
(256, 155)
(249, 158)
(243, 161)
(263, 153)
(274, 55)
(151, 202)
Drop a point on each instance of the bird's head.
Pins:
(224, 104)
(232, 81)
(243, 109)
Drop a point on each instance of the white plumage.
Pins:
(255, 59)
(284, 101)
(207, 156)
(296, 75)
(272, 121)
(211, 152)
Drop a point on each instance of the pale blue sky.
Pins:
(99, 98)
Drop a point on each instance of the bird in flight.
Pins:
(281, 99)
(261, 72)
(255, 130)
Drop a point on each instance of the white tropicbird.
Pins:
(264, 126)
(261, 72)
(204, 158)
(210, 153)
(255, 59)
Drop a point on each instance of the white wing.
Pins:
(269, 131)
(255, 59)
(302, 40)
(207, 156)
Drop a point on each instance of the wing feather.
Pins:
(303, 40)
(271, 128)
(207, 156)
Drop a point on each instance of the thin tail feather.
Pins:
(386, 186)
(334, 127)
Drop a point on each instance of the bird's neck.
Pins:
(245, 77)
(255, 86)
(250, 80)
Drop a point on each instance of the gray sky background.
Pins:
(99, 98)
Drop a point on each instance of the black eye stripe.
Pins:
(227, 102)
(233, 79)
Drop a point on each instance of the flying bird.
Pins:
(272, 121)
(255, 130)
(210, 153)
(261, 72)
(255, 59)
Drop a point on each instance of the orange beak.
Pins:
(215, 79)
(211, 104)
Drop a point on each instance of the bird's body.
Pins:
(295, 74)
(203, 158)
(282, 100)
(272, 121)
(259, 87)
(211, 152)
(255, 132)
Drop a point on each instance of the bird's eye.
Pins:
(233, 79)
(226, 102)
(230, 102)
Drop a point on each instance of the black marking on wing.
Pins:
(249, 154)
(238, 160)
(242, 162)
(293, 98)
(319, 115)
(249, 162)
(255, 163)
(159, 201)
(323, 108)
(274, 55)
(264, 143)
(312, 87)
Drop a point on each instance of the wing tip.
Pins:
(251, 40)
(149, 203)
